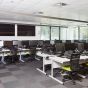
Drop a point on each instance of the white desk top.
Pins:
(83, 57)
(5, 50)
(38, 48)
(44, 54)
(63, 60)
(59, 59)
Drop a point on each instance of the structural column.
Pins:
(15, 29)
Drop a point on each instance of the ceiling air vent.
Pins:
(61, 4)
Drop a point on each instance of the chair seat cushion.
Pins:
(86, 63)
(67, 68)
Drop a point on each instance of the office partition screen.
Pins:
(26, 30)
(7, 30)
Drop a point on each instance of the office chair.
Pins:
(32, 54)
(73, 68)
(85, 67)
(68, 54)
(14, 55)
(8, 59)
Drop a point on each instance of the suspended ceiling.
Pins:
(22, 10)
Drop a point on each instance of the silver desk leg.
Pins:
(21, 58)
(52, 74)
(2, 60)
(43, 70)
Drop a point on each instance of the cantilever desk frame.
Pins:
(45, 60)
(6, 52)
(57, 62)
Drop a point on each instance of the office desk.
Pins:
(38, 49)
(7, 52)
(3, 53)
(22, 52)
(46, 60)
(58, 62)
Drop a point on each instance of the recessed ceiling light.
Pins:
(61, 4)
(38, 13)
(12, 1)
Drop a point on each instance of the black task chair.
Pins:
(32, 54)
(14, 55)
(73, 68)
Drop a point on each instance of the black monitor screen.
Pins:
(26, 30)
(7, 30)
(68, 41)
(76, 41)
(82, 41)
(58, 41)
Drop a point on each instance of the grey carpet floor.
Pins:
(26, 76)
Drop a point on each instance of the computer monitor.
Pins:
(82, 41)
(63, 41)
(58, 41)
(68, 41)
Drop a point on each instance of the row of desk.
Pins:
(57, 62)
(7, 52)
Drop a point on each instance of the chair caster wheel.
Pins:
(74, 83)
(63, 84)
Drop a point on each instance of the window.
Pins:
(54, 33)
(72, 33)
(63, 33)
(45, 33)
(83, 33)
(69, 33)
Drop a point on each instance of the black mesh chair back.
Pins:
(74, 61)
(60, 47)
